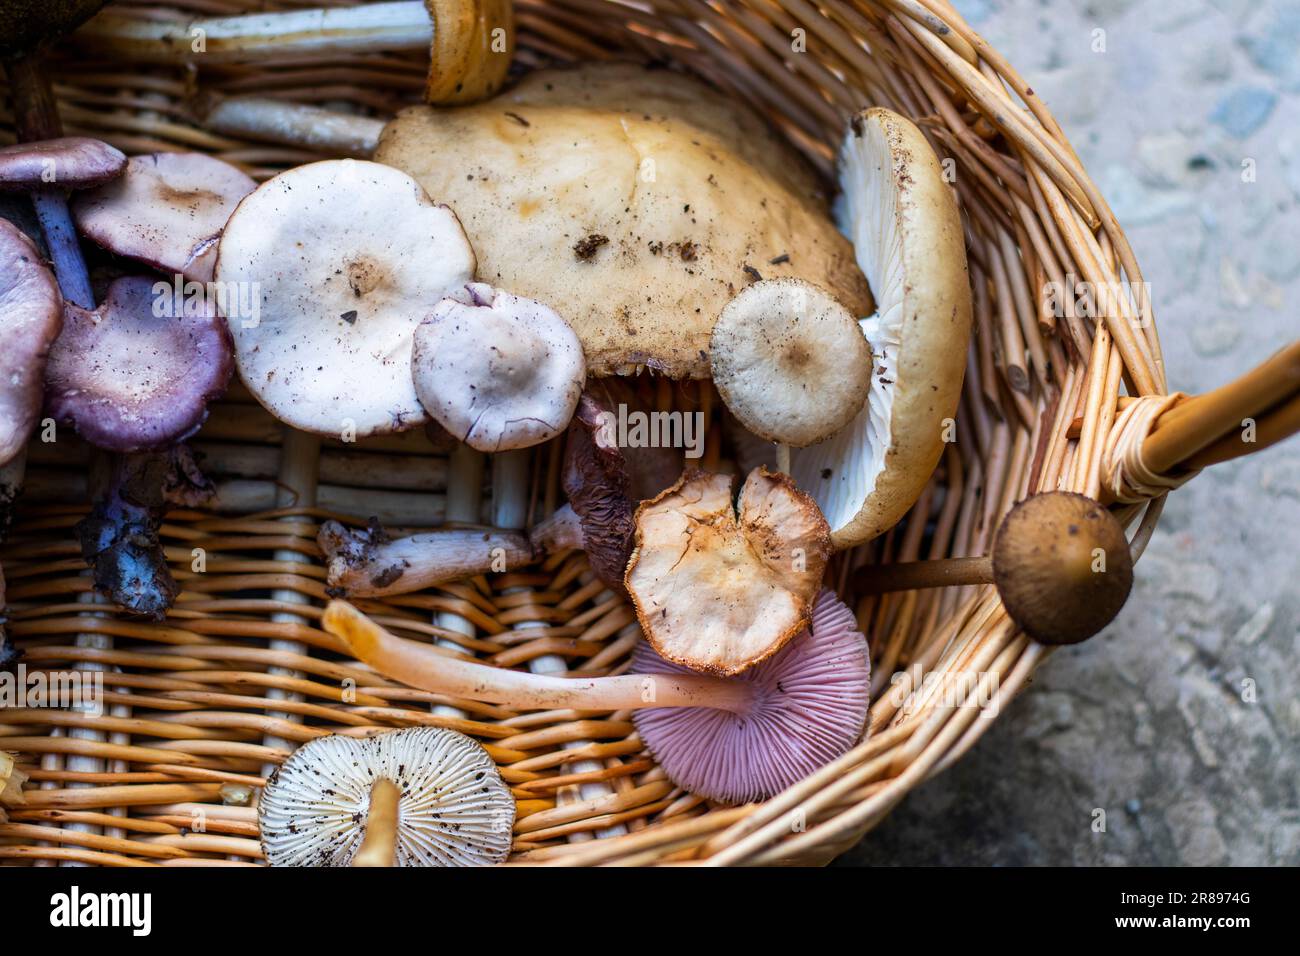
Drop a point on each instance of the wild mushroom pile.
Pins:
(503, 270)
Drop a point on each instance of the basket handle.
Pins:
(1160, 441)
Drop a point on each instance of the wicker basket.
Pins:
(241, 674)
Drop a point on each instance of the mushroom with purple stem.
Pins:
(166, 209)
(728, 739)
(134, 382)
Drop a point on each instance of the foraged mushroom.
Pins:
(11, 780)
(753, 735)
(471, 42)
(347, 257)
(417, 797)
(496, 370)
(790, 362)
(8, 653)
(129, 378)
(32, 311)
(1060, 561)
(907, 231)
(368, 563)
(133, 382)
(167, 210)
(718, 589)
(48, 169)
(809, 706)
(624, 204)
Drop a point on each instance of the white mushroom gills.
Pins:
(510, 472)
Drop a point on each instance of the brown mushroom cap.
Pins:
(636, 226)
(790, 361)
(167, 210)
(1062, 566)
(70, 162)
(31, 314)
(719, 591)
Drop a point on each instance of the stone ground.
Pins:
(1182, 720)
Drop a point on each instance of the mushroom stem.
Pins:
(783, 458)
(12, 474)
(915, 575)
(422, 667)
(379, 847)
(369, 564)
(562, 531)
(293, 124)
(366, 28)
(36, 117)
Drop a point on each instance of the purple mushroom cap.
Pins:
(71, 162)
(810, 706)
(31, 314)
(167, 210)
(129, 378)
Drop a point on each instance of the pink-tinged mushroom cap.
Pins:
(810, 706)
(167, 210)
(31, 314)
(71, 162)
(130, 379)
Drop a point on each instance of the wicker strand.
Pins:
(1124, 474)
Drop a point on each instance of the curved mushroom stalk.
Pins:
(8, 653)
(728, 739)
(369, 563)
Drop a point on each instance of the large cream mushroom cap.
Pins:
(907, 231)
(629, 214)
(344, 259)
(790, 362)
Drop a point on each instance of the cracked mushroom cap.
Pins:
(454, 809)
(718, 589)
(167, 210)
(32, 311)
(71, 162)
(638, 219)
(346, 257)
(810, 707)
(907, 232)
(790, 362)
(496, 370)
(130, 379)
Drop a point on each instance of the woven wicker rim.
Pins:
(241, 673)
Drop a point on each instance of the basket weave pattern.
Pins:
(220, 691)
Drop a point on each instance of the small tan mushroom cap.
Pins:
(907, 231)
(628, 213)
(719, 592)
(342, 259)
(454, 810)
(1062, 566)
(790, 361)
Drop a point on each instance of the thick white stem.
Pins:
(364, 565)
(292, 124)
(366, 28)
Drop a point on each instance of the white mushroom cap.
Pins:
(344, 258)
(454, 809)
(789, 361)
(907, 232)
(167, 209)
(496, 370)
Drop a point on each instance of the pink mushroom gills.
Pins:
(604, 483)
(728, 739)
(166, 210)
(134, 383)
(719, 588)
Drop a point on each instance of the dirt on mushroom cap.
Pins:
(717, 588)
(535, 173)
